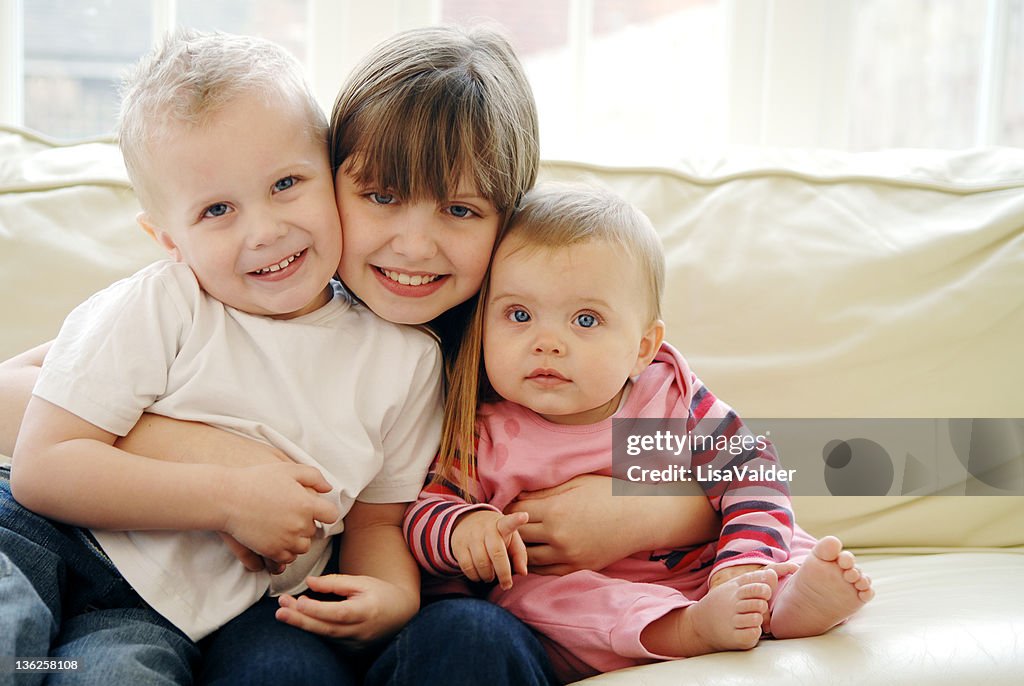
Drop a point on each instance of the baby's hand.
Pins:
(487, 544)
(369, 609)
(272, 509)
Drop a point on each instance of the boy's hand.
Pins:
(370, 609)
(273, 509)
(487, 544)
(249, 559)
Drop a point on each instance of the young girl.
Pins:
(569, 328)
(434, 139)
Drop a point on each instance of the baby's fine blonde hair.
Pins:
(433, 104)
(192, 75)
(552, 216)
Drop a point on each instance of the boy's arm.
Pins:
(153, 436)
(380, 583)
(101, 486)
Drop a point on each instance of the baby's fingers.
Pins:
(474, 563)
(517, 552)
(500, 562)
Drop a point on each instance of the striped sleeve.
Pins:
(757, 514)
(429, 523)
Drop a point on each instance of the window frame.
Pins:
(772, 97)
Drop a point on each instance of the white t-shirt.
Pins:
(339, 389)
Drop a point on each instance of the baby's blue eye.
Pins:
(284, 184)
(216, 210)
(519, 316)
(586, 320)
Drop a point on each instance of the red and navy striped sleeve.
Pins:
(757, 514)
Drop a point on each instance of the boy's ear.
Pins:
(650, 343)
(159, 235)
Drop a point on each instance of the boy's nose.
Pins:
(266, 231)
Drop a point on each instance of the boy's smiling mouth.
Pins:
(280, 266)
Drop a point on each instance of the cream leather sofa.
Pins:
(800, 285)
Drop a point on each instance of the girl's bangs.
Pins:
(423, 147)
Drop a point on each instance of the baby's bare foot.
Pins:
(824, 592)
(728, 618)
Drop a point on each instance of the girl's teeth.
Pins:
(279, 266)
(407, 280)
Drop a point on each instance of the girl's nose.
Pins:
(415, 239)
(547, 343)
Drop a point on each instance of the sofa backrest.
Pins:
(800, 285)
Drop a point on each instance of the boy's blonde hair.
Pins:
(190, 77)
(432, 104)
(552, 216)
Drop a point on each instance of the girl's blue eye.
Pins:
(460, 211)
(216, 210)
(284, 184)
(586, 321)
(519, 316)
(382, 198)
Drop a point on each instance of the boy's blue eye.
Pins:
(284, 184)
(586, 321)
(519, 316)
(216, 210)
(382, 198)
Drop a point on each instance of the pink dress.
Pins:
(593, 620)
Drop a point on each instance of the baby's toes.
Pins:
(754, 591)
(752, 606)
(863, 583)
(846, 560)
(852, 576)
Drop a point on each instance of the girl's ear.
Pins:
(650, 343)
(159, 235)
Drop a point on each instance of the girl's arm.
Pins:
(581, 525)
(379, 587)
(17, 378)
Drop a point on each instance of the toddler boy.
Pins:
(243, 329)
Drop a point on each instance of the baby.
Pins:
(571, 337)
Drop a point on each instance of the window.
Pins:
(641, 81)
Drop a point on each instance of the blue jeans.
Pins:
(455, 641)
(60, 597)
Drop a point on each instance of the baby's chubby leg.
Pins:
(825, 591)
(729, 617)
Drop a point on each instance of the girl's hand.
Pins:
(581, 525)
(369, 610)
(487, 544)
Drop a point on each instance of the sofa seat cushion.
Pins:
(930, 623)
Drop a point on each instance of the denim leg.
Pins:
(463, 642)
(254, 649)
(124, 646)
(26, 625)
(90, 612)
